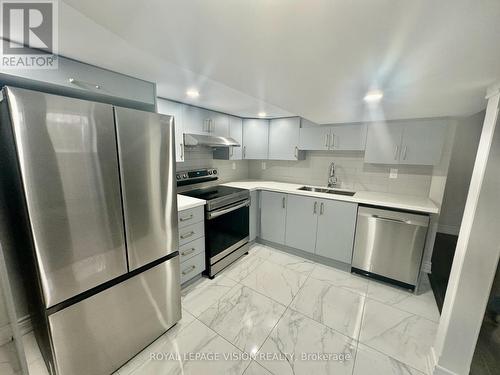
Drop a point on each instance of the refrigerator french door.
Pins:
(96, 184)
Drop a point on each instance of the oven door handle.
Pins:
(214, 214)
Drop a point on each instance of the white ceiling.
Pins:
(314, 58)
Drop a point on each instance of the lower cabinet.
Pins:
(301, 222)
(318, 226)
(273, 216)
(191, 243)
(336, 227)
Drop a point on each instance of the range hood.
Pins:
(193, 140)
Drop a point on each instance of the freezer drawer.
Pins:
(390, 243)
(147, 168)
(99, 334)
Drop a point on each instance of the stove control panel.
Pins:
(196, 176)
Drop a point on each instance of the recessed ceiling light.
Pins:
(262, 114)
(373, 96)
(192, 93)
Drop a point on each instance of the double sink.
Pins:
(327, 190)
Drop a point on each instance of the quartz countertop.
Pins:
(184, 202)
(398, 201)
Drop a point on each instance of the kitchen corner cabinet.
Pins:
(284, 139)
(417, 142)
(255, 139)
(336, 227)
(301, 222)
(273, 216)
(167, 107)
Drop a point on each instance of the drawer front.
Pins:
(192, 248)
(191, 233)
(191, 216)
(192, 267)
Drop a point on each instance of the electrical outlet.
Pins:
(393, 173)
(234, 165)
(263, 165)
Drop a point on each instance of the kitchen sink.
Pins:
(326, 190)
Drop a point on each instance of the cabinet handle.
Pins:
(332, 142)
(186, 218)
(187, 252)
(182, 150)
(190, 269)
(232, 150)
(296, 152)
(315, 207)
(321, 208)
(244, 152)
(283, 202)
(404, 152)
(396, 153)
(327, 139)
(187, 235)
(212, 127)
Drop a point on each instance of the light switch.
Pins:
(393, 173)
(263, 165)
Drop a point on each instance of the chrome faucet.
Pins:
(333, 181)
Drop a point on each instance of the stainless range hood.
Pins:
(193, 140)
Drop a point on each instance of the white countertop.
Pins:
(184, 202)
(399, 201)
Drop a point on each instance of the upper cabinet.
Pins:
(333, 137)
(235, 131)
(284, 139)
(255, 138)
(167, 107)
(202, 121)
(418, 142)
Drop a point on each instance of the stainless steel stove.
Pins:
(226, 218)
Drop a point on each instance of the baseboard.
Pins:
(449, 229)
(433, 367)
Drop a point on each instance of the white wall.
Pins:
(467, 134)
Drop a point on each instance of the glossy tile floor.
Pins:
(274, 313)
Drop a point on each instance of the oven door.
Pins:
(226, 230)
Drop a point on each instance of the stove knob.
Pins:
(185, 175)
(210, 172)
(215, 171)
(178, 176)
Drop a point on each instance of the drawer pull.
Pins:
(187, 235)
(186, 218)
(187, 252)
(190, 269)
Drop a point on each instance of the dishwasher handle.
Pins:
(399, 217)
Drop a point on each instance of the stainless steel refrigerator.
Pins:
(90, 193)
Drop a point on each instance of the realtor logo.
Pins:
(29, 34)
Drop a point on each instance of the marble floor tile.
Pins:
(297, 339)
(262, 251)
(340, 278)
(423, 304)
(195, 350)
(333, 306)
(275, 281)
(371, 362)
(256, 369)
(399, 334)
(9, 362)
(198, 297)
(291, 262)
(242, 267)
(243, 317)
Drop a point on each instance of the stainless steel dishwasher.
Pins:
(389, 245)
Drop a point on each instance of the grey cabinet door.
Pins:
(423, 142)
(219, 124)
(284, 138)
(69, 167)
(196, 120)
(236, 132)
(314, 138)
(348, 137)
(255, 138)
(336, 226)
(147, 168)
(301, 222)
(383, 143)
(167, 107)
(272, 216)
(254, 215)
